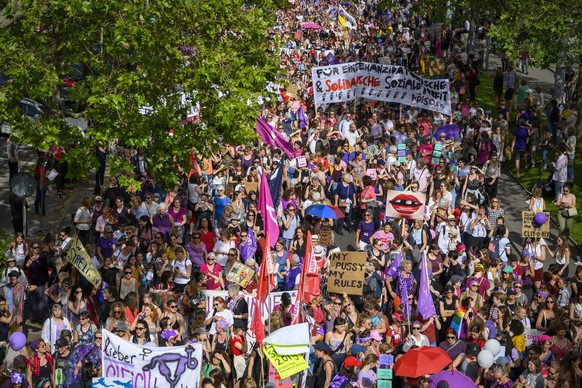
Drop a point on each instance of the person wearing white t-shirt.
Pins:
(538, 251)
(352, 135)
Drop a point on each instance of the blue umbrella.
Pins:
(324, 211)
(451, 130)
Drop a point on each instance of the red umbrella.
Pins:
(421, 361)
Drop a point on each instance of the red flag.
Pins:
(257, 325)
(309, 282)
(267, 273)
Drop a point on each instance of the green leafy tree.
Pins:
(550, 30)
(123, 55)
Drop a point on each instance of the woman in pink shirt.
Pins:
(214, 281)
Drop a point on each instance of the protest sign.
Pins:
(276, 380)
(108, 382)
(240, 274)
(385, 374)
(151, 366)
(530, 229)
(79, 258)
(405, 204)
(384, 384)
(286, 365)
(301, 161)
(251, 186)
(346, 272)
(386, 360)
(375, 81)
(371, 172)
(531, 336)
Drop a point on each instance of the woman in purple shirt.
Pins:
(520, 137)
(364, 231)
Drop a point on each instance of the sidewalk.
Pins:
(58, 210)
(512, 194)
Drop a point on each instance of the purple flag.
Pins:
(248, 249)
(274, 138)
(267, 210)
(425, 302)
(302, 118)
(394, 267)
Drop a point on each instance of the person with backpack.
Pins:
(499, 245)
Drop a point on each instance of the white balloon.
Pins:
(493, 346)
(485, 359)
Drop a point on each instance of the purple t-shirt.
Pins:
(106, 245)
(366, 231)
(520, 135)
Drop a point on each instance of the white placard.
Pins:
(374, 81)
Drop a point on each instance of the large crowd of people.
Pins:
(158, 252)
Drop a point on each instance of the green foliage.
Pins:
(130, 55)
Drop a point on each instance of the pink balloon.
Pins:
(17, 340)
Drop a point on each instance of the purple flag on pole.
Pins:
(425, 302)
(302, 118)
(267, 210)
(274, 138)
(394, 267)
(249, 248)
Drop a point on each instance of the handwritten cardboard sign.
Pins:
(240, 274)
(346, 272)
(251, 186)
(530, 229)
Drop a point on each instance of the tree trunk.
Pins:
(579, 108)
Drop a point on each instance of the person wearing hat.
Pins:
(106, 243)
(11, 266)
(325, 369)
(62, 356)
(292, 276)
(122, 330)
(17, 289)
(347, 375)
(467, 362)
(447, 234)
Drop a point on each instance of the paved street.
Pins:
(513, 197)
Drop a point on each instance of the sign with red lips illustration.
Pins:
(405, 204)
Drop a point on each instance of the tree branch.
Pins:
(12, 12)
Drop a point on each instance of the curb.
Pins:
(506, 170)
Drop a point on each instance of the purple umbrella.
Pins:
(310, 25)
(451, 130)
(453, 378)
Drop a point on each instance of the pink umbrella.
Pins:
(310, 25)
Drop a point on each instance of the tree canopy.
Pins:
(104, 59)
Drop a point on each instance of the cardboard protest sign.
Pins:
(346, 272)
(405, 204)
(375, 81)
(79, 258)
(371, 172)
(286, 365)
(251, 186)
(530, 229)
(151, 366)
(240, 274)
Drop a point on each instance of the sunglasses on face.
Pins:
(140, 328)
